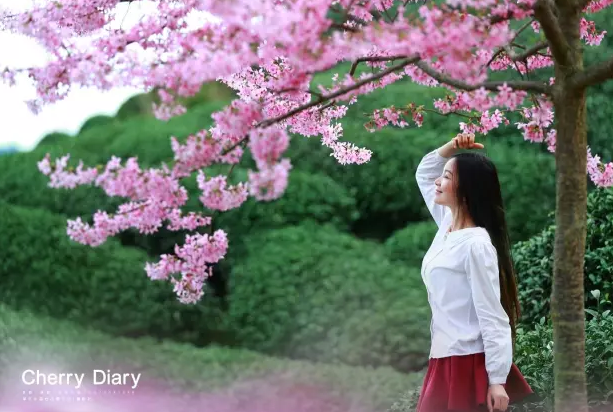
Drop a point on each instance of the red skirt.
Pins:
(460, 383)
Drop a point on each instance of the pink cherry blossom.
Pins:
(270, 52)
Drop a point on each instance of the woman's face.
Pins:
(446, 186)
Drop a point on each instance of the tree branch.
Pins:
(543, 12)
(529, 86)
(340, 92)
(530, 52)
(326, 98)
(593, 75)
(373, 59)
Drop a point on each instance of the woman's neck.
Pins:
(461, 221)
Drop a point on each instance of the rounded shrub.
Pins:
(138, 105)
(411, 243)
(54, 139)
(149, 138)
(105, 287)
(311, 292)
(96, 121)
(534, 260)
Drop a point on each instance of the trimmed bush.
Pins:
(54, 138)
(310, 292)
(534, 260)
(96, 121)
(308, 197)
(105, 287)
(136, 106)
(410, 244)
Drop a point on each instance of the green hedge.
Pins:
(534, 358)
(313, 293)
(411, 243)
(599, 110)
(106, 287)
(54, 138)
(97, 121)
(534, 260)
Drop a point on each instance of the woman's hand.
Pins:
(465, 141)
(461, 141)
(497, 398)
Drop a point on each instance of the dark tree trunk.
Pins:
(567, 300)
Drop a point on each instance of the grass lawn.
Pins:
(177, 376)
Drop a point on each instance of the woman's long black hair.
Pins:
(478, 189)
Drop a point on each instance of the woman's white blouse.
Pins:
(460, 272)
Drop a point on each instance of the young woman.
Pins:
(470, 280)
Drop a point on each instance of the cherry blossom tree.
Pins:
(269, 52)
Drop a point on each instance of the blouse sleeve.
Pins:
(429, 169)
(482, 270)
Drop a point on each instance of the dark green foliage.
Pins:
(308, 197)
(311, 292)
(534, 357)
(105, 287)
(136, 106)
(21, 183)
(527, 179)
(149, 138)
(534, 260)
(410, 244)
(384, 188)
(54, 138)
(96, 121)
